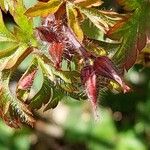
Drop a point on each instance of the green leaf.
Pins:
(25, 31)
(43, 96)
(67, 76)
(130, 5)
(57, 96)
(43, 9)
(8, 51)
(131, 31)
(73, 21)
(101, 19)
(13, 111)
(18, 56)
(4, 5)
(5, 35)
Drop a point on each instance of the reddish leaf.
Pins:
(88, 78)
(141, 41)
(55, 32)
(104, 67)
(139, 45)
(46, 34)
(56, 52)
(26, 81)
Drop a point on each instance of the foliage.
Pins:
(72, 63)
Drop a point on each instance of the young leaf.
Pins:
(56, 51)
(104, 67)
(88, 78)
(43, 9)
(26, 81)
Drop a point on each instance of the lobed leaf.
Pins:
(132, 31)
(101, 19)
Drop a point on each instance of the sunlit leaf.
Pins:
(88, 3)
(8, 52)
(5, 35)
(101, 19)
(18, 56)
(134, 40)
(43, 9)
(72, 16)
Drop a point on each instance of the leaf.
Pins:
(101, 19)
(46, 34)
(57, 96)
(13, 111)
(48, 92)
(72, 17)
(18, 56)
(4, 4)
(54, 31)
(7, 52)
(104, 67)
(43, 9)
(130, 5)
(26, 81)
(56, 51)
(88, 3)
(43, 96)
(88, 78)
(131, 31)
(5, 35)
(53, 103)
(25, 31)
(12, 61)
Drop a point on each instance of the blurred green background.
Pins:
(123, 124)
